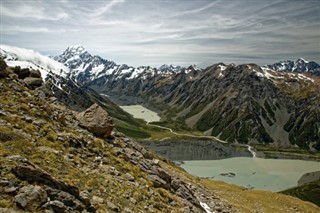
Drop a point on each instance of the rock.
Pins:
(35, 73)
(22, 73)
(11, 189)
(129, 177)
(17, 158)
(31, 197)
(132, 200)
(85, 194)
(28, 119)
(97, 199)
(55, 189)
(158, 182)
(56, 206)
(33, 83)
(228, 174)
(156, 161)
(4, 183)
(127, 210)
(96, 120)
(113, 171)
(66, 198)
(2, 113)
(112, 207)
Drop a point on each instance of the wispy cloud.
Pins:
(107, 7)
(197, 10)
(32, 11)
(157, 32)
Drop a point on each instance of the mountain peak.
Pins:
(302, 60)
(75, 49)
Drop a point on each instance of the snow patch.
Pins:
(206, 207)
(222, 68)
(220, 75)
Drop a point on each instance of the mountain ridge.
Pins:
(50, 163)
(238, 103)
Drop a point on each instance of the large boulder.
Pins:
(96, 120)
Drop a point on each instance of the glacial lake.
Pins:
(265, 174)
(138, 111)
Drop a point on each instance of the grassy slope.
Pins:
(69, 153)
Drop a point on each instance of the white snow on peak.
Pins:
(222, 68)
(303, 60)
(26, 58)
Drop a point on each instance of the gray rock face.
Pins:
(31, 197)
(32, 82)
(56, 206)
(65, 198)
(96, 120)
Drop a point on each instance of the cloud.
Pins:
(107, 7)
(138, 32)
(197, 10)
(32, 11)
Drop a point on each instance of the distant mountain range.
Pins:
(300, 65)
(276, 104)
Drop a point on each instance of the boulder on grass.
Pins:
(32, 82)
(96, 120)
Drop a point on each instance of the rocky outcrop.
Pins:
(56, 190)
(31, 197)
(96, 120)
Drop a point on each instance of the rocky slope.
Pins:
(61, 84)
(51, 164)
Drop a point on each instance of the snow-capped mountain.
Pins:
(26, 58)
(86, 68)
(300, 65)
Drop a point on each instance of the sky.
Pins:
(156, 32)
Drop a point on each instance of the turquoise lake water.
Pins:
(265, 174)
